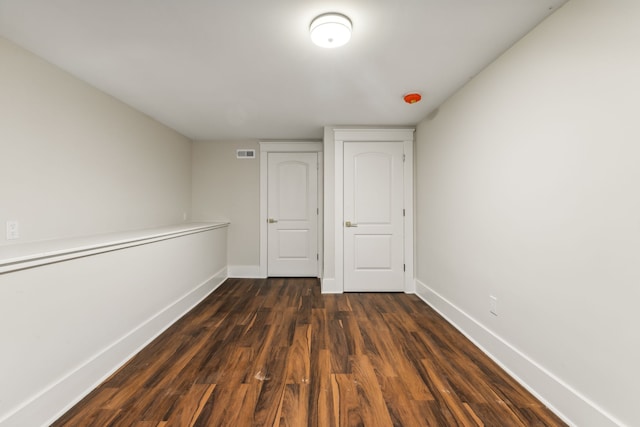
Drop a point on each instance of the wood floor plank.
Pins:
(338, 346)
(401, 407)
(319, 331)
(345, 401)
(190, 405)
(277, 352)
(321, 410)
(245, 413)
(370, 399)
(432, 413)
(294, 406)
(298, 370)
(223, 406)
(269, 403)
(400, 354)
(448, 396)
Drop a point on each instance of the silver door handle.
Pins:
(272, 221)
(350, 224)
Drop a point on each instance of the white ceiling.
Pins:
(215, 70)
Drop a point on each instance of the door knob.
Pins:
(350, 224)
(272, 221)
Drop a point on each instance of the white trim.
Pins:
(329, 286)
(374, 134)
(263, 209)
(403, 135)
(29, 255)
(338, 250)
(320, 210)
(288, 147)
(574, 408)
(70, 389)
(409, 282)
(245, 271)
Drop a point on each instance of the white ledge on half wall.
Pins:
(27, 255)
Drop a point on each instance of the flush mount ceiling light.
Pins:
(330, 30)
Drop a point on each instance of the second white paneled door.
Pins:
(374, 216)
(292, 210)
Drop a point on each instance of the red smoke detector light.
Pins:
(412, 98)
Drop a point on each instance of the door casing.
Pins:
(342, 135)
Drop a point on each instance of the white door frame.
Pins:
(267, 147)
(374, 135)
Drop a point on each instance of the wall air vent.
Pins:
(245, 154)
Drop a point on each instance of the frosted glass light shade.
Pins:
(330, 30)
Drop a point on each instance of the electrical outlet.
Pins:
(493, 305)
(13, 230)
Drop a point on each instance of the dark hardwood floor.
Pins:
(277, 352)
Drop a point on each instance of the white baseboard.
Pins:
(54, 401)
(245, 271)
(329, 286)
(558, 396)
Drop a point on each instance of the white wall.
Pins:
(228, 189)
(76, 161)
(528, 189)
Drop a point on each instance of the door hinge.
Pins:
(317, 257)
(404, 157)
(404, 213)
(317, 211)
(404, 267)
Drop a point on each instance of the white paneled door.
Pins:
(373, 215)
(292, 210)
